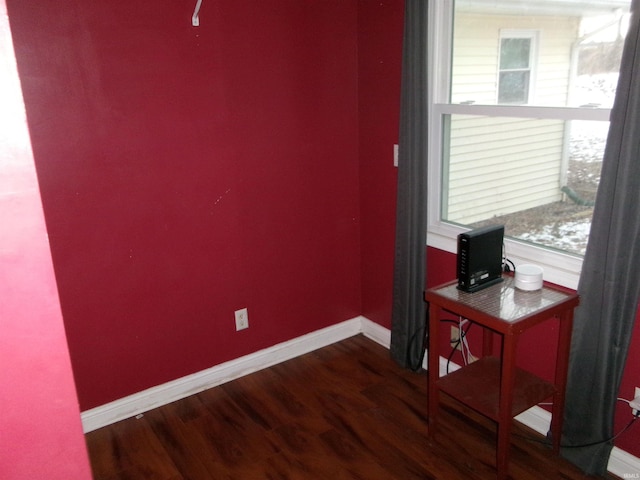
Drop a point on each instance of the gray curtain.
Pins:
(610, 282)
(408, 315)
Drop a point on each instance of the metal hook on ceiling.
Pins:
(195, 20)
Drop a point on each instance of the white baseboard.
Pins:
(183, 387)
(376, 332)
(621, 463)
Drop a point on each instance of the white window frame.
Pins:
(559, 267)
(531, 35)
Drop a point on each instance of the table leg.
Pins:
(487, 342)
(562, 365)
(507, 381)
(433, 366)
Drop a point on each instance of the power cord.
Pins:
(462, 333)
(610, 439)
(592, 444)
(413, 339)
(507, 265)
(420, 330)
(463, 345)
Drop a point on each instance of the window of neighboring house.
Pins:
(515, 65)
(519, 115)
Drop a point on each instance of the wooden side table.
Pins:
(492, 386)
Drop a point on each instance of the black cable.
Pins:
(462, 333)
(456, 322)
(592, 444)
(413, 339)
(611, 439)
(508, 265)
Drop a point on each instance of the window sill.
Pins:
(559, 268)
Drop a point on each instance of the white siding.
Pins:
(492, 173)
(492, 167)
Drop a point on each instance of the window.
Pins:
(515, 63)
(519, 110)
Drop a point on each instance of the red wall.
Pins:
(40, 431)
(380, 26)
(380, 34)
(190, 172)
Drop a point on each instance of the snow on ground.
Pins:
(570, 236)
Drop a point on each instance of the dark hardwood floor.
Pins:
(346, 411)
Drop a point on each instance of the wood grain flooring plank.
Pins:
(343, 412)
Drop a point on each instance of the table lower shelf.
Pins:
(478, 386)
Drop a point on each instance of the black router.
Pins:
(480, 258)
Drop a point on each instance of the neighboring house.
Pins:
(493, 167)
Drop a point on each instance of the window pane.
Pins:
(514, 87)
(537, 177)
(574, 43)
(514, 53)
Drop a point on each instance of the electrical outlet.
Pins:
(635, 403)
(242, 319)
(455, 338)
